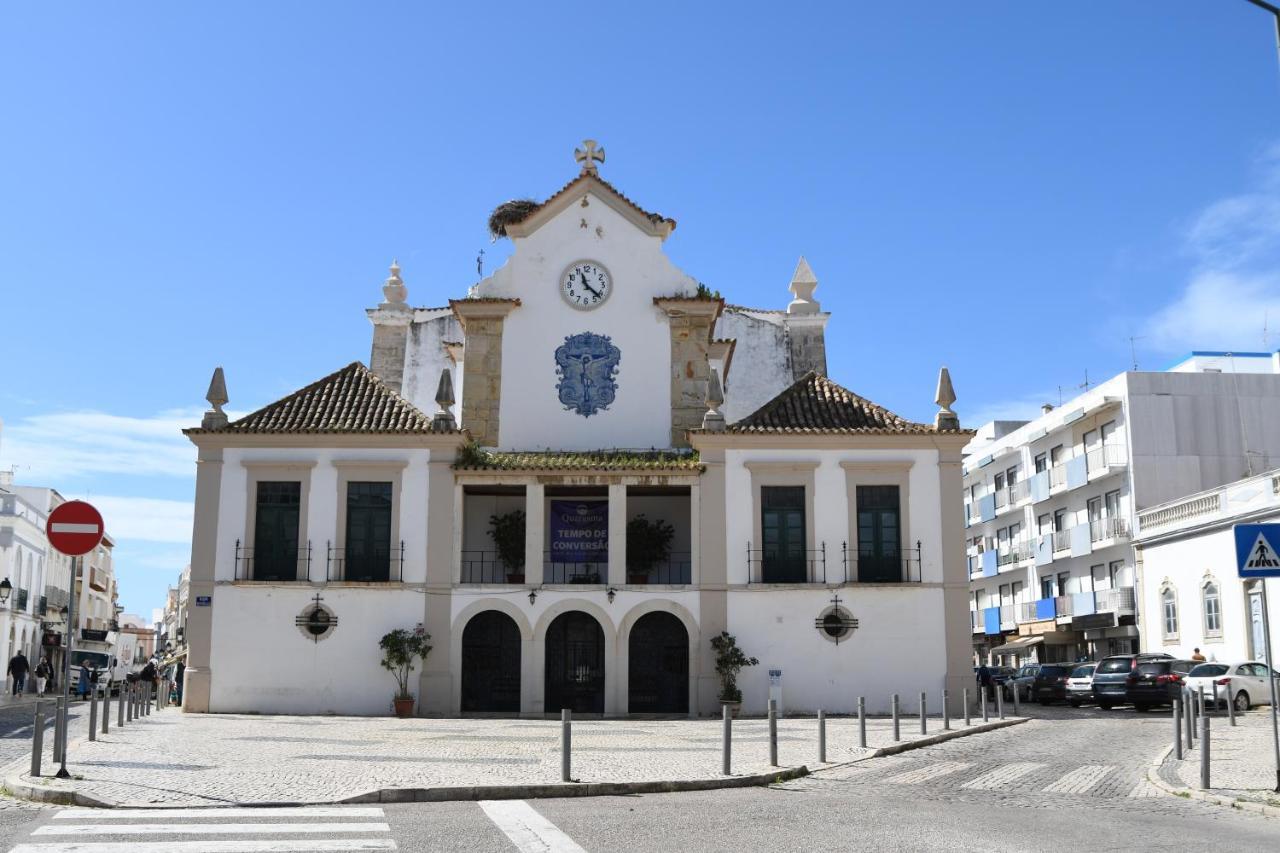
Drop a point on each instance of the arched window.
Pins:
(1169, 609)
(1212, 610)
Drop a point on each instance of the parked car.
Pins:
(1050, 682)
(1110, 678)
(1080, 684)
(1021, 682)
(1156, 682)
(1245, 682)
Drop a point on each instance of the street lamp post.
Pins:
(1275, 13)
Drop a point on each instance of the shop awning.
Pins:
(1013, 647)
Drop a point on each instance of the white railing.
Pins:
(1120, 600)
(1057, 476)
(1007, 615)
(1194, 508)
(1002, 498)
(975, 618)
(1061, 540)
(1108, 528)
(1106, 456)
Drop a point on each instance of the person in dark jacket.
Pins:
(18, 668)
(987, 680)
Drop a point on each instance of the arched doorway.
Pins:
(658, 675)
(575, 664)
(491, 663)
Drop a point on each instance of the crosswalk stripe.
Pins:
(1080, 780)
(207, 828)
(529, 831)
(924, 774)
(1001, 776)
(183, 814)
(280, 845)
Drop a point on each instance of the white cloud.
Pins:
(1234, 287)
(152, 519)
(54, 447)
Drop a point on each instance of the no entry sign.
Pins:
(74, 528)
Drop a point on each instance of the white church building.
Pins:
(574, 475)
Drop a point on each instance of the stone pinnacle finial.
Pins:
(588, 155)
(444, 420)
(713, 420)
(215, 418)
(945, 396)
(803, 283)
(393, 289)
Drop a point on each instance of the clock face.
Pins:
(586, 284)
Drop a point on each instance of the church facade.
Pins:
(574, 476)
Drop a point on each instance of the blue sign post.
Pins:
(1258, 557)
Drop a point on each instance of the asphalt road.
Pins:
(1068, 779)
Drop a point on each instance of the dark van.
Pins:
(1156, 682)
(1051, 682)
(1111, 678)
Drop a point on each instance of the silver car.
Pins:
(1080, 685)
(1244, 681)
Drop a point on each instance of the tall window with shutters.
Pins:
(275, 531)
(782, 529)
(879, 534)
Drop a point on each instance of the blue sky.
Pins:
(1010, 188)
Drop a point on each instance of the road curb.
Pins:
(23, 788)
(944, 736)
(1153, 776)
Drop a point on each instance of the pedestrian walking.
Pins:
(85, 675)
(987, 680)
(180, 671)
(18, 668)
(42, 675)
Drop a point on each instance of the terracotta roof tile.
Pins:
(352, 400)
(815, 404)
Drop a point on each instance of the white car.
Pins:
(1080, 684)
(1245, 682)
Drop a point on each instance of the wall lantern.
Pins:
(611, 593)
(6, 589)
(533, 596)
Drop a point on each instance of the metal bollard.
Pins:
(726, 742)
(1015, 701)
(897, 733)
(1204, 752)
(985, 717)
(1177, 728)
(566, 744)
(1231, 706)
(106, 708)
(159, 692)
(128, 703)
(93, 715)
(773, 732)
(120, 706)
(58, 722)
(967, 717)
(37, 740)
(146, 698)
(946, 711)
(1204, 708)
(822, 736)
(999, 702)
(1189, 717)
(862, 722)
(924, 715)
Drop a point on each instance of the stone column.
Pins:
(198, 680)
(691, 322)
(617, 535)
(712, 572)
(535, 532)
(957, 628)
(482, 321)
(435, 684)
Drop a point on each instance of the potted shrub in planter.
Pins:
(648, 544)
(507, 533)
(400, 649)
(730, 660)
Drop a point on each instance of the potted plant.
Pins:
(729, 662)
(507, 533)
(400, 648)
(648, 544)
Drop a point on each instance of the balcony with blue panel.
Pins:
(1040, 487)
(991, 620)
(1044, 549)
(990, 564)
(1077, 472)
(1082, 604)
(1045, 609)
(986, 507)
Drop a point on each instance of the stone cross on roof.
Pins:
(588, 155)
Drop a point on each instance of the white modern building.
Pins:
(574, 476)
(25, 558)
(1051, 504)
(1186, 556)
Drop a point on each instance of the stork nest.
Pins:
(509, 213)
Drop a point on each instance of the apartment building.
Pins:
(1051, 503)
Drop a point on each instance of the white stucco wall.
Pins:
(425, 357)
(530, 413)
(898, 647)
(761, 366)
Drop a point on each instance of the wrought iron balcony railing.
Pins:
(376, 564)
(273, 563)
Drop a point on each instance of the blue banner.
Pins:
(579, 532)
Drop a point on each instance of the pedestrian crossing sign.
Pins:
(1258, 550)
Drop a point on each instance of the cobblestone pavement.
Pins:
(199, 759)
(1063, 758)
(1242, 759)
